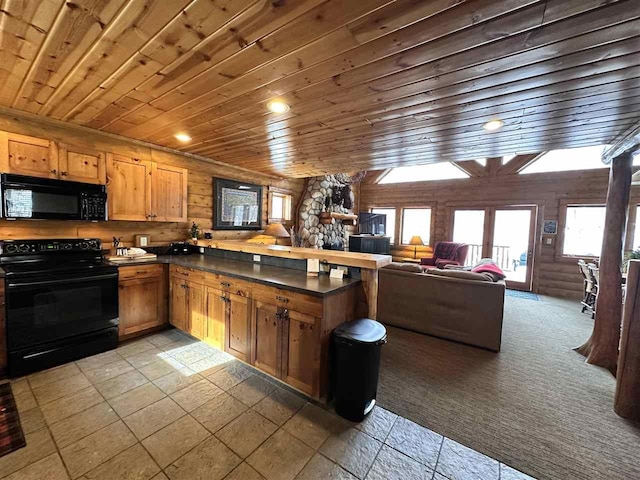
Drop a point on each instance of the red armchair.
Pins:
(446, 253)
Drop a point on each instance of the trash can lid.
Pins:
(363, 330)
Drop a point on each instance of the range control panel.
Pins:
(31, 247)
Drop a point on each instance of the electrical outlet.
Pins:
(548, 240)
(256, 258)
(201, 249)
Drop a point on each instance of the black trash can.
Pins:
(356, 364)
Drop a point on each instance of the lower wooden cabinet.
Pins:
(142, 299)
(285, 334)
(301, 353)
(287, 346)
(3, 333)
(238, 327)
(188, 307)
(179, 304)
(267, 337)
(216, 318)
(197, 311)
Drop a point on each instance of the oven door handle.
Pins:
(60, 281)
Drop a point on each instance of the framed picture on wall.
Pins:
(237, 205)
(550, 227)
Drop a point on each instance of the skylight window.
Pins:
(482, 161)
(585, 158)
(423, 173)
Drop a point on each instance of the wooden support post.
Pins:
(602, 347)
(369, 280)
(627, 402)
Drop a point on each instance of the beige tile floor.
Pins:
(168, 406)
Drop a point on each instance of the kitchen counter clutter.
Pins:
(274, 318)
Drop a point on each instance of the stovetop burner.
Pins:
(58, 256)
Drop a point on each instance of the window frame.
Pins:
(395, 209)
(400, 221)
(562, 223)
(287, 199)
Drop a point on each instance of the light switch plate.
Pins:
(548, 240)
(256, 258)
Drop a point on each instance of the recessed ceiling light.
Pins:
(183, 137)
(276, 106)
(492, 125)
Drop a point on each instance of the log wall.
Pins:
(553, 274)
(200, 187)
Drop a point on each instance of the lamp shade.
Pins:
(416, 240)
(276, 230)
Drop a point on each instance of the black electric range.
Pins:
(61, 302)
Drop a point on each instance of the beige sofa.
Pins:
(460, 309)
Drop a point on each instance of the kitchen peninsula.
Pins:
(268, 313)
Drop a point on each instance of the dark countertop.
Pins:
(279, 277)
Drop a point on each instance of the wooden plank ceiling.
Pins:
(371, 84)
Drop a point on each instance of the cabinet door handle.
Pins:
(63, 174)
(282, 299)
(141, 272)
(225, 284)
(54, 170)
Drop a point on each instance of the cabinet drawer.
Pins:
(187, 273)
(228, 284)
(140, 271)
(289, 300)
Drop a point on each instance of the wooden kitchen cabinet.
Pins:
(24, 155)
(142, 299)
(142, 190)
(238, 327)
(301, 351)
(282, 332)
(169, 193)
(128, 188)
(197, 310)
(216, 318)
(267, 336)
(179, 304)
(81, 164)
(287, 346)
(3, 333)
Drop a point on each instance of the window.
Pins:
(279, 207)
(481, 161)
(583, 230)
(422, 173)
(416, 221)
(391, 221)
(586, 158)
(635, 244)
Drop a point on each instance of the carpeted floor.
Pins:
(535, 405)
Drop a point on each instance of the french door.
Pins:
(505, 234)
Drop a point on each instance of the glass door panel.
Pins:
(468, 227)
(512, 245)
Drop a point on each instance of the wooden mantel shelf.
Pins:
(348, 259)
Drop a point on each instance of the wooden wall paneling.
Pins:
(199, 185)
(553, 274)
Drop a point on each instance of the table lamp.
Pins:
(276, 230)
(416, 240)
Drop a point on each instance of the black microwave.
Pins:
(46, 199)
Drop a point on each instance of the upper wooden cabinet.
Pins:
(81, 164)
(168, 193)
(128, 188)
(142, 190)
(25, 155)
